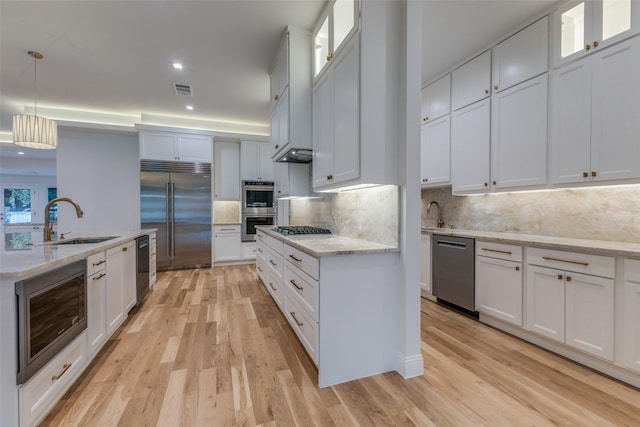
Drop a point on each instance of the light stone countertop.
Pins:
(41, 257)
(564, 243)
(319, 245)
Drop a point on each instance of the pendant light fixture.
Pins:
(32, 131)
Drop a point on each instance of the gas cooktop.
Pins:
(300, 229)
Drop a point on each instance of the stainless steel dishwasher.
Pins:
(142, 281)
(453, 270)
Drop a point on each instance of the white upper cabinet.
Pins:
(436, 99)
(471, 82)
(594, 120)
(175, 147)
(471, 148)
(338, 23)
(522, 56)
(226, 178)
(435, 152)
(291, 180)
(581, 27)
(291, 94)
(255, 161)
(519, 135)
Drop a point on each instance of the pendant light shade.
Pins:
(35, 132)
(30, 130)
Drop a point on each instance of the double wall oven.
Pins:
(258, 207)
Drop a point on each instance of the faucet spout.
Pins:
(48, 228)
(439, 213)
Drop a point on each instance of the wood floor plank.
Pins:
(210, 347)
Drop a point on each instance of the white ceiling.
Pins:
(114, 56)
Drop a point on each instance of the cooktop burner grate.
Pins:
(300, 229)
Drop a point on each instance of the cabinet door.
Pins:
(471, 81)
(96, 312)
(158, 146)
(281, 179)
(435, 151)
(499, 289)
(613, 21)
(522, 56)
(129, 276)
(425, 262)
(322, 131)
(194, 148)
(250, 161)
(615, 148)
(570, 113)
(631, 330)
(346, 109)
(589, 315)
(571, 27)
(436, 99)
(265, 164)
(227, 247)
(519, 135)
(280, 125)
(280, 73)
(545, 302)
(471, 148)
(344, 20)
(227, 171)
(115, 301)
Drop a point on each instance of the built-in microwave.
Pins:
(257, 198)
(249, 223)
(51, 313)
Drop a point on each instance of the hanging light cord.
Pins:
(35, 83)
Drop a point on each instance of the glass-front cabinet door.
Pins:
(337, 24)
(584, 26)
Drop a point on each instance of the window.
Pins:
(17, 205)
(52, 193)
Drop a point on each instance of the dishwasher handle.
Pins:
(450, 244)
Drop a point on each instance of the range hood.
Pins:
(296, 155)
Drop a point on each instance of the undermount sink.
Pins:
(82, 240)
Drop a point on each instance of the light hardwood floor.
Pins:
(210, 348)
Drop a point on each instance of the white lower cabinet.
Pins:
(631, 330)
(499, 281)
(226, 243)
(570, 298)
(425, 262)
(121, 284)
(96, 307)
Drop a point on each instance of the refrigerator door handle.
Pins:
(173, 220)
(167, 191)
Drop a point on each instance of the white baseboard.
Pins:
(410, 366)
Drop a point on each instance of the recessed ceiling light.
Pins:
(189, 107)
(177, 66)
(21, 153)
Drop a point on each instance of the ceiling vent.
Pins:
(183, 89)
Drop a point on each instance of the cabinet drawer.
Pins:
(275, 288)
(260, 236)
(304, 288)
(632, 270)
(305, 262)
(261, 251)
(232, 228)
(275, 264)
(275, 244)
(499, 251)
(595, 265)
(305, 328)
(95, 263)
(44, 389)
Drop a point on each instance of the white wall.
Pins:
(101, 171)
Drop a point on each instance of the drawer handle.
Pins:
(293, 282)
(99, 277)
(273, 263)
(497, 250)
(260, 269)
(65, 368)
(260, 250)
(95, 264)
(548, 258)
(273, 287)
(296, 319)
(294, 258)
(227, 229)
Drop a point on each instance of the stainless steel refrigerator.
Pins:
(175, 198)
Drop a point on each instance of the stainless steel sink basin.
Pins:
(82, 240)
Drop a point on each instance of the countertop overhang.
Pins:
(319, 245)
(44, 256)
(612, 247)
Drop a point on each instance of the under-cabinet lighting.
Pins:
(549, 190)
(348, 188)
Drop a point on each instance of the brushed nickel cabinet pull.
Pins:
(497, 250)
(294, 258)
(273, 287)
(227, 229)
(260, 250)
(65, 368)
(296, 319)
(99, 276)
(548, 258)
(293, 282)
(260, 269)
(95, 264)
(273, 263)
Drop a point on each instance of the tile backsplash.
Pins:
(226, 212)
(369, 214)
(605, 213)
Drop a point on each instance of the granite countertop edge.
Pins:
(330, 244)
(45, 256)
(600, 246)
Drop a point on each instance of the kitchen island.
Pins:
(109, 291)
(340, 296)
